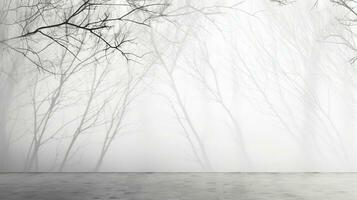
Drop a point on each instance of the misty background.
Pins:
(214, 86)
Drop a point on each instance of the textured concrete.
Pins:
(170, 186)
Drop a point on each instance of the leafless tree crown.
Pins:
(37, 28)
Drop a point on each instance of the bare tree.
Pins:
(45, 107)
(42, 26)
(90, 114)
(118, 112)
(180, 110)
(170, 68)
(348, 21)
(85, 30)
(214, 89)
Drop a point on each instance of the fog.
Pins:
(253, 86)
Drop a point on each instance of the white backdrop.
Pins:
(256, 87)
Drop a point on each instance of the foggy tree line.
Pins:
(76, 68)
(62, 39)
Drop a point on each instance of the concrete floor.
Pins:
(170, 186)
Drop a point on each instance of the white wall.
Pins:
(282, 97)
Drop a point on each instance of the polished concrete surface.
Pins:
(174, 186)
